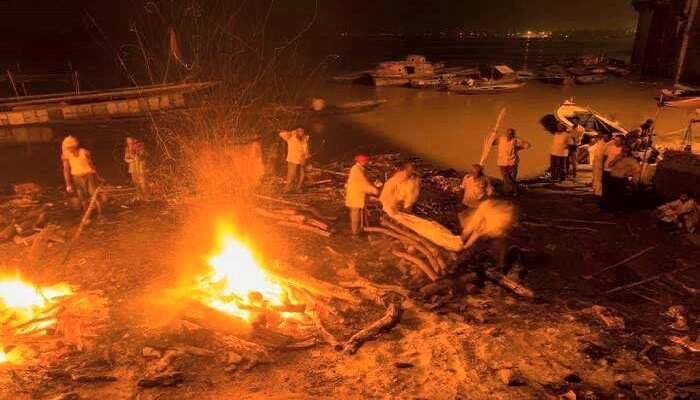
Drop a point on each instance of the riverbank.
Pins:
(477, 340)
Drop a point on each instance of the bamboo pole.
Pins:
(83, 221)
(623, 262)
(488, 142)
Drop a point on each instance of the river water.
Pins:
(443, 128)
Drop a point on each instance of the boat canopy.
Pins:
(504, 69)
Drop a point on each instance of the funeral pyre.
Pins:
(284, 307)
(38, 322)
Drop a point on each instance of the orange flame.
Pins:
(20, 303)
(237, 281)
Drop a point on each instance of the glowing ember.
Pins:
(238, 284)
(20, 304)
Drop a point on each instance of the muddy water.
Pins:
(449, 129)
(441, 127)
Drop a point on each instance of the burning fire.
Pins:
(25, 309)
(238, 285)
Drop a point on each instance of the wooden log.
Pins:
(510, 284)
(376, 290)
(390, 318)
(304, 227)
(331, 172)
(436, 287)
(281, 217)
(299, 279)
(317, 224)
(323, 332)
(623, 262)
(560, 227)
(7, 233)
(418, 263)
(83, 221)
(407, 240)
(297, 205)
(647, 280)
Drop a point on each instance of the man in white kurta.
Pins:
(297, 156)
(356, 191)
(401, 191)
(595, 157)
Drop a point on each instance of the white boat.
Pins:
(593, 122)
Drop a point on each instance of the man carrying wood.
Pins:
(297, 156)
(401, 191)
(356, 190)
(509, 147)
(79, 172)
(477, 187)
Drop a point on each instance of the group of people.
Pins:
(614, 166)
(82, 178)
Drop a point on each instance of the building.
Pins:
(667, 41)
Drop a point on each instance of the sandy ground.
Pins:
(484, 344)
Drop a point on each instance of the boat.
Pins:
(593, 122)
(399, 73)
(526, 74)
(590, 79)
(443, 80)
(556, 79)
(485, 88)
(319, 107)
(598, 70)
(680, 97)
(132, 102)
(578, 70)
(619, 71)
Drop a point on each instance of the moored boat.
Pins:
(556, 79)
(593, 122)
(590, 79)
(320, 107)
(133, 102)
(485, 88)
(680, 97)
(395, 73)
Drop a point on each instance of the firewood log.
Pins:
(409, 241)
(390, 318)
(510, 284)
(418, 263)
(7, 233)
(436, 287)
(301, 280)
(304, 227)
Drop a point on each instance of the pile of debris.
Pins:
(23, 217)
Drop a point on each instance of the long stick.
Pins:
(647, 280)
(86, 216)
(623, 262)
(488, 142)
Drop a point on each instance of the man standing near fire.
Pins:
(401, 191)
(509, 147)
(135, 158)
(79, 172)
(297, 155)
(356, 191)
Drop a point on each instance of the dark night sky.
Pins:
(41, 17)
(33, 31)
